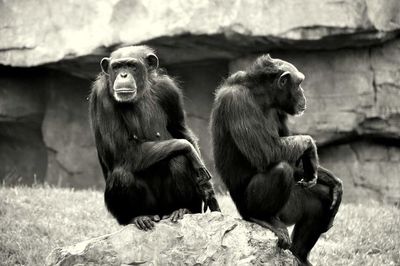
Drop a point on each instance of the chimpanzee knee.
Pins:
(268, 192)
(126, 196)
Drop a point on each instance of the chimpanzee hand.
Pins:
(309, 160)
(309, 183)
(176, 215)
(206, 190)
(145, 222)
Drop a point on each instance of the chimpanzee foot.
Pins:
(305, 263)
(176, 215)
(278, 228)
(145, 222)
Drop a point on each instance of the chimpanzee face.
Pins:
(127, 71)
(290, 95)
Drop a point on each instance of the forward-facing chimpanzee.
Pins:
(149, 157)
(260, 163)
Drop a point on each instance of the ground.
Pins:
(33, 221)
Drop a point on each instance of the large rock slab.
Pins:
(369, 170)
(203, 29)
(200, 239)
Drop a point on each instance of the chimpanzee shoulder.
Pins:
(168, 94)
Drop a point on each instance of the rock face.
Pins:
(22, 106)
(205, 29)
(349, 51)
(369, 170)
(200, 239)
(72, 156)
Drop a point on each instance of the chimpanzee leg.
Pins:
(157, 151)
(312, 220)
(266, 195)
(180, 189)
(127, 197)
(330, 187)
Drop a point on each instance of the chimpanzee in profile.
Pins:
(150, 158)
(273, 178)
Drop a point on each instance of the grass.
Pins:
(33, 221)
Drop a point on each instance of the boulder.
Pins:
(199, 239)
(193, 30)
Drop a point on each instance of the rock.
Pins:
(72, 156)
(348, 49)
(21, 96)
(384, 119)
(22, 106)
(349, 92)
(191, 29)
(369, 170)
(199, 239)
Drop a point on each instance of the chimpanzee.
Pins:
(273, 178)
(150, 158)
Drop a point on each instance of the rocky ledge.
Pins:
(199, 239)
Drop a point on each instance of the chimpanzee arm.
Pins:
(251, 132)
(171, 99)
(329, 179)
(95, 123)
(156, 151)
(153, 152)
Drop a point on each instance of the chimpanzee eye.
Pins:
(115, 65)
(132, 66)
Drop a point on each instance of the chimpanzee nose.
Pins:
(123, 75)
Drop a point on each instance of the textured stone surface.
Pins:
(369, 170)
(23, 157)
(350, 92)
(200, 239)
(72, 157)
(31, 30)
(348, 49)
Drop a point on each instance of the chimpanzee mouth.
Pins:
(125, 90)
(300, 110)
(124, 94)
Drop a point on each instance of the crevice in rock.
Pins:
(19, 48)
(227, 232)
(371, 68)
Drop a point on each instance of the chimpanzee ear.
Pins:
(104, 63)
(283, 79)
(152, 61)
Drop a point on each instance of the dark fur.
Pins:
(143, 176)
(256, 157)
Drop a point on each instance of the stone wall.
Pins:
(349, 51)
(22, 106)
